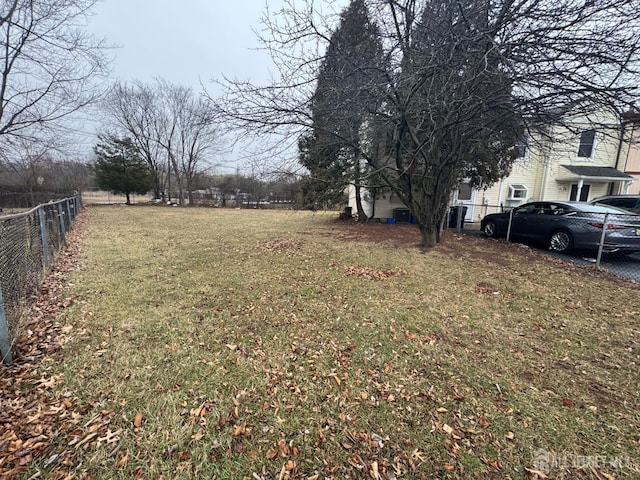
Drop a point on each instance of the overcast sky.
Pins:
(189, 42)
(185, 42)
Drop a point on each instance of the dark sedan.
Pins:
(565, 226)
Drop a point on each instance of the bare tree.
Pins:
(49, 66)
(170, 127)
(29, 168)
(36, 172)
(461, 79)
(187, 132)
(135, 108)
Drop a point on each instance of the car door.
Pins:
(523, 221)
(550, 219)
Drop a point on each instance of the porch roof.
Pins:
(593, 174)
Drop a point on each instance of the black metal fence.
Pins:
(28, 244)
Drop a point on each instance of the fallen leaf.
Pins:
(272, 453)
(137, 421)
(538, 473)
(123, 461)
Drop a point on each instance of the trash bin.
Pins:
(453, 217)
(401, 215)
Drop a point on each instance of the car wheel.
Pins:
(490, 229)
(561, 241)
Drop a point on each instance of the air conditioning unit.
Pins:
(518, 191)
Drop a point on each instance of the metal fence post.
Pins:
(509, 226)
(63, 237)
(43, 237)
(67, 210)
(5, 341)
(601, 246)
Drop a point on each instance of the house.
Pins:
(578, 159)
(632, 159)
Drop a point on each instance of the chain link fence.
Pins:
(594, 235)
(29, 242)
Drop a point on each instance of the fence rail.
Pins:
(29, 242)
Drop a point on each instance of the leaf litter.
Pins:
(34, 409)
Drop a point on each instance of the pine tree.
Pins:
(120, 168)
(347, 91)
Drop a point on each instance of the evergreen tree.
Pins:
(120, 168)
(346, 93)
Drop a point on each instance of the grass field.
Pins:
(232, 344)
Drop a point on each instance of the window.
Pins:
(522, 146)
(531, 208)
(465, 192)
(584, 193)
(587, 140)
(632, 204)
(518, 192)
(555, 209)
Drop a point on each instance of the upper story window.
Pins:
(587, 144)
(522, 146)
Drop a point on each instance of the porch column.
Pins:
(579, 189)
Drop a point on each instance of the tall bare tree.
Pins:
(49, 66)
(461, 78)
(173, 129)
(134, 108)
(190, 135)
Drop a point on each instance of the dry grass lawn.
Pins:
(230, 344)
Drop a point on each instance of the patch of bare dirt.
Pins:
(469, 245)
(397, 235)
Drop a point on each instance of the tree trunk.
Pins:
(362, 216)
(430, 236)
(430, 225)
(157, 190)
(128, 199)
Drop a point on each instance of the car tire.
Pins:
(490, 229)
(561, 241)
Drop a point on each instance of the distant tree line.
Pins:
(39, 178)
